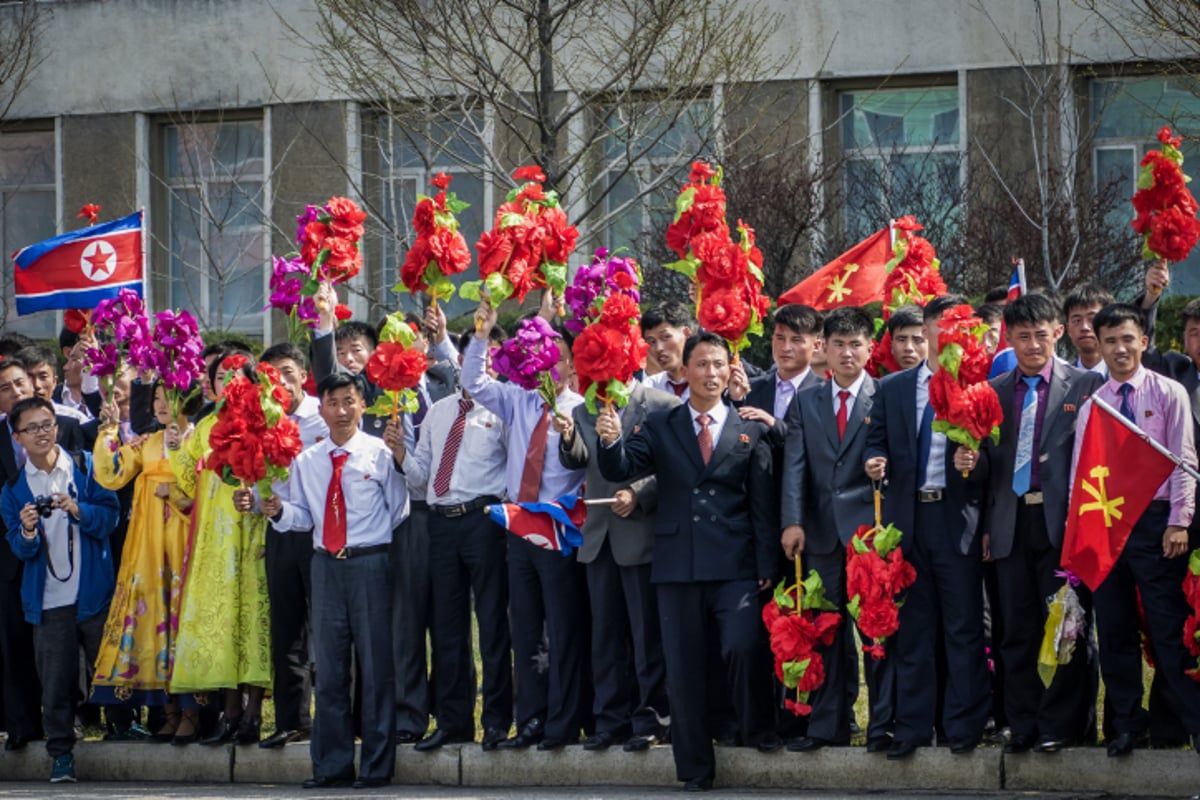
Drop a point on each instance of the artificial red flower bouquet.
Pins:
(1165, 208)
(609, 351)
(1191, 626)
(528, 245)
(254, 441)
(440, 251)
(798, 619)
(882, 361)
(396, 368)
(328, 237)
(966, 407)
(913, 273)
(876, 576)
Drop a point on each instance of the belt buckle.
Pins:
(343, 554)
(1034, 499)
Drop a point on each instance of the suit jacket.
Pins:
(824, 488)
(717, 521)
(441, 379)
(762, 395)
(92, 400)
(631, 538)
(892, 433)
(1069, 388)
(323, 355)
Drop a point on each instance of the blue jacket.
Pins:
(98, 511)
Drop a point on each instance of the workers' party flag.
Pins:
(854, 278)
(80, 268)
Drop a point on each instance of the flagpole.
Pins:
(1145, 437)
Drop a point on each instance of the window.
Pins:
(27, 215)
(904, 154)
(216, 222)
(409, 156)
(647, 159)
(1126, 115)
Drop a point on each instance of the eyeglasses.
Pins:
(45, 427)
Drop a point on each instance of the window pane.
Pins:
(27, 158)
(28, 218)
(898, 118)
(235, 239)
(187, 259)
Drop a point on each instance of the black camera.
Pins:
(44, 505)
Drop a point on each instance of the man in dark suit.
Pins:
(714, 548)
(938, 510)
(826, 496)
(1028, 493)
(628, 670)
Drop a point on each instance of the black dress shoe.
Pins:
(901, 749)
(438, 738)
(1019, 743)
(961, 747)
(529, 735)
(407, 737)
(1049, 744)
(280, 738)
(770, 743)
(554, 743)
(599, 741)
(698, 785)
(328, 782)
(1124, 744)
(879, 744)
(643, 741)
(227, 731)
(14, 743)
(491, 738)
(807, 744)
(249, 731)
(370, 783)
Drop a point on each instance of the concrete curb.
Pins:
(1165, 772)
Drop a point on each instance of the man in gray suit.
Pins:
(1024, 519)
(618, 544)
(825, 497)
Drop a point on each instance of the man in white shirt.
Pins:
(347, 490)
(665, 327)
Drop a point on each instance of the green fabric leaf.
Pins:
(687, 266)
(556, 276)
(782, 598)
(620, 392)
(951, 357)
(395, 329)
(814, 593)
(793, 672)
(684, 201)
(887, 539)
(499, 289)
(510, 219)
(854, 607)
(1194, 561)
(470, 291)
(589, 398)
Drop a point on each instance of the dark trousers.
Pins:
(628, 670)
(1142, 567)
(544, 587)
(467, 555)
(56, 644)
(690, 615)
(410, 621)
(1026, 583)
(352, 609)
(22, 691)
(880, 675)
(830, 717)
(289, 586)
(948, 590)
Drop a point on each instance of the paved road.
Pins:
(172, 791)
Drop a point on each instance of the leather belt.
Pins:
(462, 509)
(1033, 498)
(930, 496)
(355, 552)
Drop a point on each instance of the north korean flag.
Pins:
(553, 525)
(80, 268)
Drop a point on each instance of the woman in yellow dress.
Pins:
(134, 662)
(224, 639)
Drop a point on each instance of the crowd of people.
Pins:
(346, 593)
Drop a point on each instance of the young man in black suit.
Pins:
(714, 548)
(826, 496)
(1028, 493)
(938, 511)
(794, 336)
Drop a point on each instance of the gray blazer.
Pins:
(824, 487)
(1069, 388)
(632, 538)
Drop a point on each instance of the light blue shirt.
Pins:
(935, 470)
(520, 411)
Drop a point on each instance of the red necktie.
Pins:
(841, 413)
(441, 481)
(333, 535)
(704, 438)
(678, 388)
(535, 459)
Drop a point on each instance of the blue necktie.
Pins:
(924, 443)
(1023, 467)
(1125, 390)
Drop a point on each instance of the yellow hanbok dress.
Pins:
(224, 619)
(136, 652)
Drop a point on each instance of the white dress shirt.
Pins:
(935, 470)
(482, 454)
(716, 424)
(61, 410)
(59, 536)
(1100, 367)
(659, 380)
(308, 416)
(376, 498)
(854, 389)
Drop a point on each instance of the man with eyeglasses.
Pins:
(58, 520)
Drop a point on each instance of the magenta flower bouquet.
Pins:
(178, 357)
(287, 295)
(530, 358)
(123, 323)
(595, 282)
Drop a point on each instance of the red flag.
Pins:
(1116, 477)
(854, 278)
